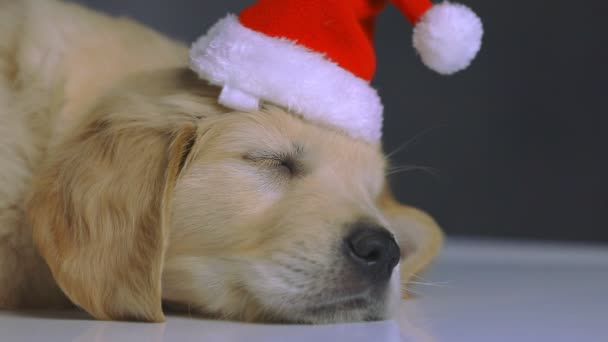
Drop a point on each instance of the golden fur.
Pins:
(124, 185)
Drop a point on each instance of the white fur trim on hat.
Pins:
(251, 66)
(447, 37)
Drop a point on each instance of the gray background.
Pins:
(517, 142)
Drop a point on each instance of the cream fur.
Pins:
(123, 184)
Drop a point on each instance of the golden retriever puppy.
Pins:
(124, 185)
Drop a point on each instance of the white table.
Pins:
(480, 291)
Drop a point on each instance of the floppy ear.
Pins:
(99, 211)
(418, 235)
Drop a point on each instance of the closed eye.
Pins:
(283, 165)
(286, 163)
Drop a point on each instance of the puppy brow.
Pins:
(298, 148)
(293, 154)
(263, 155)
(291, 158)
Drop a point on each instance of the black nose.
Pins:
(373, 250)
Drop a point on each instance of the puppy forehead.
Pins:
(277, 130)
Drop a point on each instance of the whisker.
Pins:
(426, 284)
(430, 170)
(409, 291)
(407, 143)
(420, 278)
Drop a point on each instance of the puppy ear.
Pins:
(99, 211)
(418, 235)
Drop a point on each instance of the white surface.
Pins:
(481, 291)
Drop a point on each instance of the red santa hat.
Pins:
(316, 57)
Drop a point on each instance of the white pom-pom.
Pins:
(447, 37)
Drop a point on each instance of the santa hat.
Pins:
(316, 57)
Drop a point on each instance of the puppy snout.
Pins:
(373, 250)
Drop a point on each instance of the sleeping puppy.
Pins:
(124, 185)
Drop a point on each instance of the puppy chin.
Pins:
(384, 307)
(368, 311)
(292, 304)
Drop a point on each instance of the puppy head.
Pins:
(161, 195)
